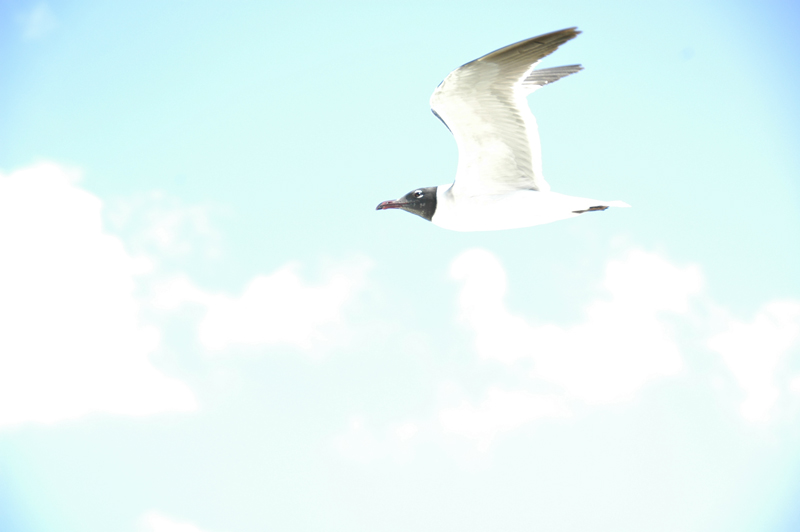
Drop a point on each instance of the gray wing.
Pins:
(484, 105)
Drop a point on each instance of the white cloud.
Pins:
(363, 444)
(71, 342)
(358, 442)
(405, 431)
(156, 522)
(752, 352)
(38, 22)
(162, 225)
(276, 309)
(498, 333)
(794, 385)
(623, 342)
(500, 411)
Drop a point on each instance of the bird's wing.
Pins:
(484, 105)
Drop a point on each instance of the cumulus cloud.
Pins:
(753, 351)
(280, 309)
(38, 22)
(358, 442)
(156, 522)
(622, 343)
(161, 225)
(361, 443)
(627, 337)
(794, 385)
(71, 341)
(500, 411)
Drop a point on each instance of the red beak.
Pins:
(391, 204)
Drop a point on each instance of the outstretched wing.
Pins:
(484, 104)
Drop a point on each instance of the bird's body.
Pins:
(499, 182)
(512, 210)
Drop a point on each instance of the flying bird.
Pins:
(499, 182)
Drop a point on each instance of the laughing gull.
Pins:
(499, 182)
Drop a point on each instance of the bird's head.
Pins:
(421, 201)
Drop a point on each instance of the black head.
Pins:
(421, 202)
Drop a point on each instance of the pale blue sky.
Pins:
(204, 321)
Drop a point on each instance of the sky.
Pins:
(205, 326)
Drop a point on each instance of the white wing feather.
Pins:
(484, 104)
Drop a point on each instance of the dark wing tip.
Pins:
(541, 45)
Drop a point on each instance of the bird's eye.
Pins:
(418, 194)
